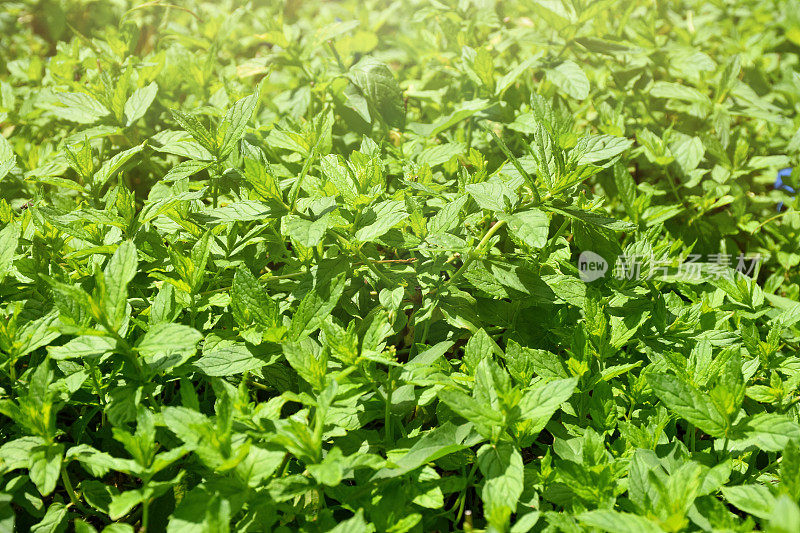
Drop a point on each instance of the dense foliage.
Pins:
(314, 266)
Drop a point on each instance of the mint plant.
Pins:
(325, 266)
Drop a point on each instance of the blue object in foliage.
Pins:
(780, 185)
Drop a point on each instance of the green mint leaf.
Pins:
(378, 86)
(570, 78)
(377, 220)
(139, 102)
(531, 226)
(235, 122)
(689, 403)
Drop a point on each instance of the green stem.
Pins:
(552, 244)
(193, 310)
(145, 515)
(671, 181)
(98, 389)
(336, 55)
(126, 348)
(770, 220)
(463, 496)
(426, 328)
(464, 266)
(474, 254)
(265, 278)
(215, 183)
(68, 486)
(387, 415)
(269, 277)
(371, 383)
(284, 465)
(514, 161)
(295, 190)
(366, 260)
(300, 63)
(73, 498)
(257, 385)
(375, 270)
